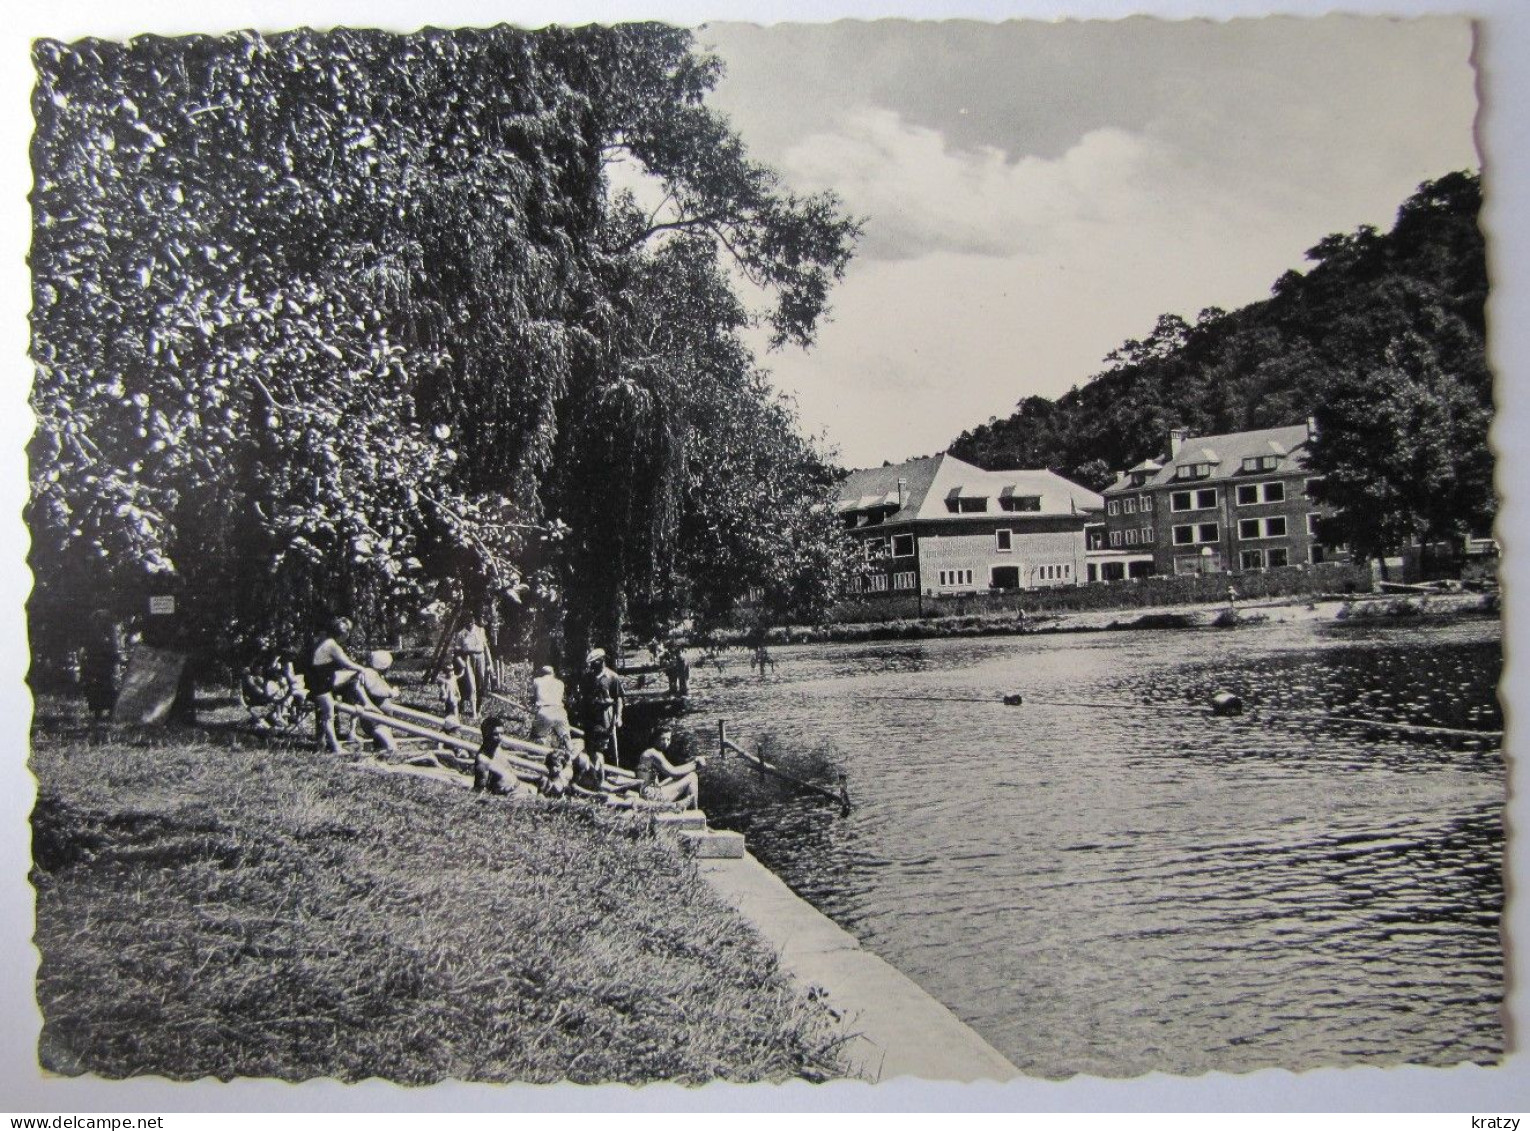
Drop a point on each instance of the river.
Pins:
(1106, 880)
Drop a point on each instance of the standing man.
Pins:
(677, 670)
(602, 708)
(551, 718)
(471, 646)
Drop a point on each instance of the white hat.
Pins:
(595, 654)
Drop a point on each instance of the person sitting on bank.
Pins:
(574, 773)
(327, 663)
(489, 774)
(549, 725)
(666, 781)
(369, 690)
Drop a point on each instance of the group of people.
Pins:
(330, 675)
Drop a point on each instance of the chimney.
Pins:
(902, 492)
(1177, 438)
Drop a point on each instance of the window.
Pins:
(1205, 500)
(1128, 506)
(874, 518)
(1115, 537)
(1274, 527)
(1067, 571)
(1096, 539)
(1196, 534)
(1020, 502)
(1193, 471)
(956, 577)
(1184, 535)
(1113, 507)
(1131, 537)
(1146, 503)
(1146, 537)
(1261, 463)
(966, 504)
(875, 547)
(1277, 557)
(1312, 524)
(879, 583)
(902, 545)
(1181, 501)
(906, 579)
(1139, 478)
(1207, 532)
(1251, 559)
(1307, 486)
(1251, 493)
(1002, 541)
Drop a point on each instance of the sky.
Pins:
(1035, 193)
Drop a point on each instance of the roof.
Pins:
(877, 487)
(930, 482)
(1225, 453)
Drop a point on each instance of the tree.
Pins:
(327, 320)
(1403, 454)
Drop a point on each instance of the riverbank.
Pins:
(1204, 615)
(211, 906)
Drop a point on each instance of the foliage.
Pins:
(324, 320)
(1382, 340)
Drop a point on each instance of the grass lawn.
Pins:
(208, 905)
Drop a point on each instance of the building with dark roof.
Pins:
(940, 526)
(1232, 503)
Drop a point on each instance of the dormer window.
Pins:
(958, 503)
(1193, 471)
(1261, 463)
(1139, 478)
(1020, 502)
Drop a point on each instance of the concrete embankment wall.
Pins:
(892, 1026)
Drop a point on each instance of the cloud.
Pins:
(920, 195)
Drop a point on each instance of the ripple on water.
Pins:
(1120, 889)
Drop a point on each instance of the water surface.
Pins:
(1105, 880)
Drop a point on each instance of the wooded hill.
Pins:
(1382, 340)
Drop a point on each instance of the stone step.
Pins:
(690, 819)
(713, 844)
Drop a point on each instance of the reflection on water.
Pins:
(1119, 888)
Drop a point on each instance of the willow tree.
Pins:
(655, 345)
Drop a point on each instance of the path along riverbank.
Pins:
(1217, 613)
